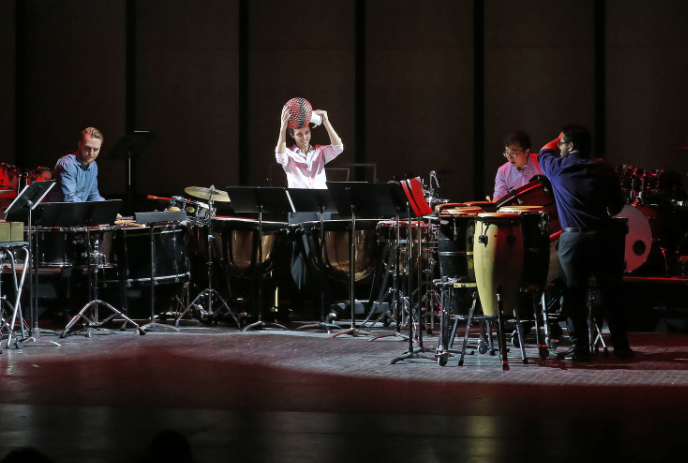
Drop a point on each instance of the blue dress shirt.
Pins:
(76, 181)
(583, 188)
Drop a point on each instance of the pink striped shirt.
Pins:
(307, 170)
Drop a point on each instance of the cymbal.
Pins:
(205, 193)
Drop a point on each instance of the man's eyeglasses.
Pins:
(562, 142)
(509, 155)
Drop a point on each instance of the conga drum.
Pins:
(455, 248)
(537, 258)
(487, 206)
(498, 258)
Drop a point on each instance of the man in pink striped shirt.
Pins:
(521, 165)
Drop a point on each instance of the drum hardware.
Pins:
(153, 325)
(204, 310)
(415, 201)
(7, 250)
(393, 311)
(89, 313)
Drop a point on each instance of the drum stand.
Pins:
(89, 313)
(398, 297)
(208, 293)
(7, 250)
(153, 325)
(415, 353)
(595, 338)
(446, 339)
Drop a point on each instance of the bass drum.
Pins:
(645, 233)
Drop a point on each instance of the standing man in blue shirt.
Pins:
(588, 194)
(76, 174)
(521, 165)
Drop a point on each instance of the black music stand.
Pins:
(259, 200)
(359, 199)
(26, 201)
(320, 201)
(130, 146)
(88, 214)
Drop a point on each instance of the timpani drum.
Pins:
(498, 257)
(237, 245)
(487, 206)
(334, 257)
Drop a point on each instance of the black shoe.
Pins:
(624, 352)
(575, 353)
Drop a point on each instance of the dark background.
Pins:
(412, 86)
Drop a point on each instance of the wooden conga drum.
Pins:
(537, 258)
(498, 259)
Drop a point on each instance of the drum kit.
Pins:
(657, 221)
(13, 179)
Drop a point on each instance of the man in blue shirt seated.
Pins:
(588, 194)
(77, 174)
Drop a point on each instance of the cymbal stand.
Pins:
(415, 353)
(153, 325)
(208, 293)
(89, 313)
(353, 331)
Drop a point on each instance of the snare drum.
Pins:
(198, 213)
(498, 257)
(334, 258)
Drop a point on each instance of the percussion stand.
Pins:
(208, 293)
(260, 199)
(400, 301)
(29, 199)
(153, 325)
(100, 212)
(397, 295)
(414, 353)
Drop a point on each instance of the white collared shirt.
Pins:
(307, 170)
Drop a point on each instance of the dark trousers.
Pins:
(582, 254)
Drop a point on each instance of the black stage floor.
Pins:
(273, 396)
